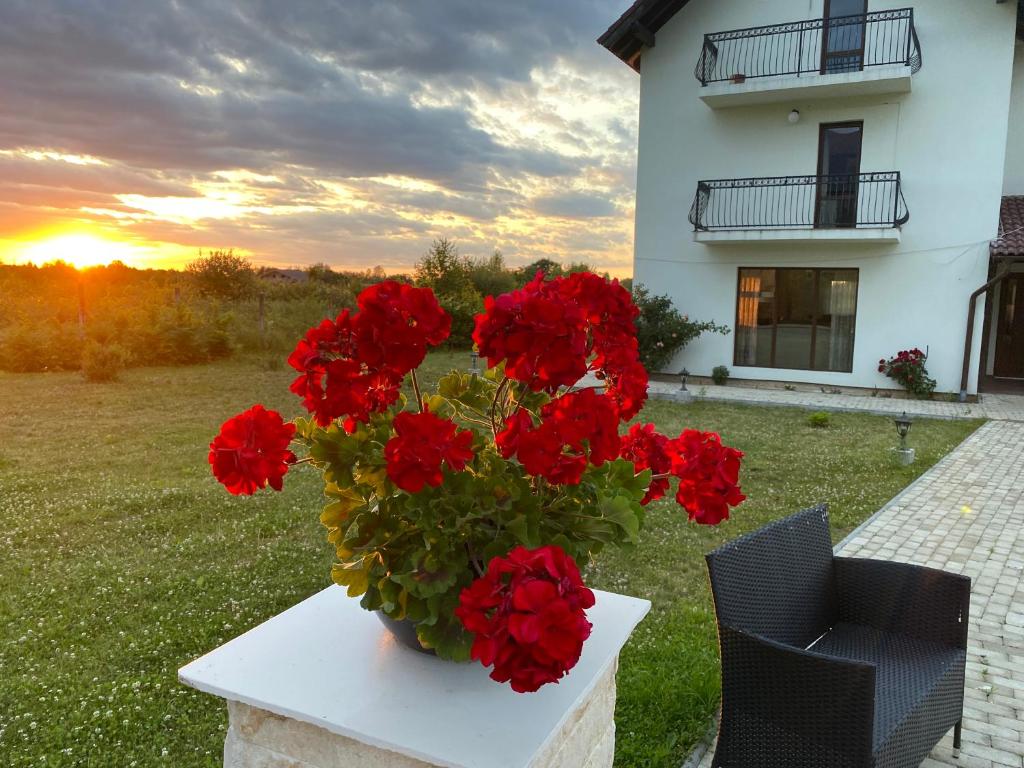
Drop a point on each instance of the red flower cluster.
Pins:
(421, 443)
(541, 337)
(353, 366)
(252, 451)
(574, 428)
(908, 369)
(527, 613)
(547, 332)
(708, 471)
(648, 449)
(708, 475)
(907, 358)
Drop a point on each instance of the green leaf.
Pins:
(620, 510)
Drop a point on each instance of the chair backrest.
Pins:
(778, 582)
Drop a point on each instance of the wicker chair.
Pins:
(833, 661)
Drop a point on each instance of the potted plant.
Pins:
(467, 511)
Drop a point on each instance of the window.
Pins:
(796, 318)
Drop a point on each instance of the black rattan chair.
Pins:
(833, 662)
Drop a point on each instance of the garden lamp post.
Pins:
(903, 424)
(682, 380)
(474, 362)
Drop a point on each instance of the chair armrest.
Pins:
(925, 603)
(808, 702)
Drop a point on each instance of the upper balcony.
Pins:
(852, 208)
(841, 56)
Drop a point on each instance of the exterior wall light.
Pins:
(794, 116)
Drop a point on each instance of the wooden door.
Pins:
(1009, 361)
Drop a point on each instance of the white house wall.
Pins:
(947, 138)
(1013, 180)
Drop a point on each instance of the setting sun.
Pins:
(79, 250)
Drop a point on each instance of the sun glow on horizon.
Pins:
(80, 250)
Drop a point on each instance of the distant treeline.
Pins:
(218, 305)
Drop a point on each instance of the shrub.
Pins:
(907, 369)
(102, 362)
(819, 420)
(661, 330)
(223, 275)
(719, 374)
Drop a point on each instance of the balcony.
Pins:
(842, 56)
(852, 208)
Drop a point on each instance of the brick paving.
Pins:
(966, 515)
(1004, 407)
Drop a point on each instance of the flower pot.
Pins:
(739, 78)
(404, 632)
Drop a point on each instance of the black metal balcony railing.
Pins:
(867, 200)
(823, 46)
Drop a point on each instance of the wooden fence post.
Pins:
(262, 321)
(81, 308)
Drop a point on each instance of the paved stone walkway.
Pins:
(1005, 407)
(966, 515)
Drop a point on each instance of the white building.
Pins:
(842, 165)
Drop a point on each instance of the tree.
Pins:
(447, 273)
(222, 274)
(547, 266)
(490, 276)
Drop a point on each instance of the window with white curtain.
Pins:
(796, 318)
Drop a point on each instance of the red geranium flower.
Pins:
(575, 428)
(541, 337)
(648, 449)
(252, 451)
(626, 385)
(708, 475)
(422, 442)
(527, 615)
(353, 366)
(395, 325)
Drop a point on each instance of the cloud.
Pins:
(485, 114)
(575, 205)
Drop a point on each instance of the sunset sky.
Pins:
(351, 132)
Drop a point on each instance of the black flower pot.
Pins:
(404, 632)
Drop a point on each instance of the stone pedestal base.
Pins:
(905, 456)
(260, 739)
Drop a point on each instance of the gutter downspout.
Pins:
(970, 329)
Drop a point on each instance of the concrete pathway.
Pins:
(1004, 407)
(966, 515)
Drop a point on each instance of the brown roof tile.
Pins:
(1011, 228)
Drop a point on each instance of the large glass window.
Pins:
(796, 318)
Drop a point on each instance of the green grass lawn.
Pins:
(121, 558)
